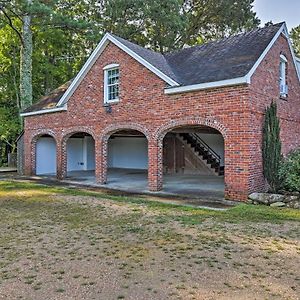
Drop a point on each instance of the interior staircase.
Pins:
(204, 151)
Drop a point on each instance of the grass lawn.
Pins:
(60, 243)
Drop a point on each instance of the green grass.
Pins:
(38, 194)
(68, 236)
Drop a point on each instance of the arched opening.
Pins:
(127, 160)
(194, 161)
(81, 157)
(45, 155)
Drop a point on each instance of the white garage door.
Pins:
(75, 154)
(45, 156)
(128, 153)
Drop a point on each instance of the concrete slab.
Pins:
(132, 180)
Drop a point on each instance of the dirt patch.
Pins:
(75, 247)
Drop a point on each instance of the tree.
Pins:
(213, 19)
(295, 36)
(168, 25)
(23, 16)
(152, 23)
(271, 148)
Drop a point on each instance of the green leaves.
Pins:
(295, 36)
(290, 172)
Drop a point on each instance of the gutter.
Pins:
(43, 111)
(207, 85)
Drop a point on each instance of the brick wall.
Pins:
(235, 111)
(264, 89)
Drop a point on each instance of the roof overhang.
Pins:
(240, 80)
(207, 85)
(44, 111)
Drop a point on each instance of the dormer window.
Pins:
(111, 83)
(282, 76)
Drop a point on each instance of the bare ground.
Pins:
(60, 246)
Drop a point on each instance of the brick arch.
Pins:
(165, 128)
(34, 139)
(210, 122)
(109, 130)
(101, 162)
(68, 133)
(63, 146)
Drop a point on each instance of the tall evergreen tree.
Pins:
(271, 148)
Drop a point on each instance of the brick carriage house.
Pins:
(188, 121)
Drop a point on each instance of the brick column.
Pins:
(61, 159)
(236, 168)
(101, 160)
(29, 155)
(155, 168)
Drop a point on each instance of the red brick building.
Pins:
(197, 111)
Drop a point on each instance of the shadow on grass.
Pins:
(32, 192)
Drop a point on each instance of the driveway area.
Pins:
(71, 243)
(132, 180)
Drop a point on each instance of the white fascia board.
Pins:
(86, 67)
(283, 29)
(296, 60)
(44, 111)
(143, 62)
(262, 56)
(208, 85)
(96, 53)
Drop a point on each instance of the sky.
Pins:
(278, 11)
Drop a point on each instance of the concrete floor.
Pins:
(208, 186)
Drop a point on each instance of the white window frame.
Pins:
(106, 70)
(282, 76)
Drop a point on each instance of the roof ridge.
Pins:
(226, 38)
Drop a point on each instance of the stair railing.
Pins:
(206, 147)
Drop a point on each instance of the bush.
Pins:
(289, 172)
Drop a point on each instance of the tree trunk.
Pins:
(26, 62)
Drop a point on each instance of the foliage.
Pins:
(290, 172)
(64, 32)
(271, 148)
(212, 19)
(295, 36)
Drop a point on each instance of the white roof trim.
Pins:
(207, 85)
(240, 80)
(253, 69)
(96, 53)
(44, 111)
(293, 55)
(283, 29)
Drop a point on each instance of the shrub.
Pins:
(289, 172)
(271, 147)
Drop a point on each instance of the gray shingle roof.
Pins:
(154, 58)
(228, 58)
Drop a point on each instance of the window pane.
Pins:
(112, 84)
(113, 92)
(113, 76)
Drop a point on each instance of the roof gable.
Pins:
(230, 61)
(232, 57)
(97, 52)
